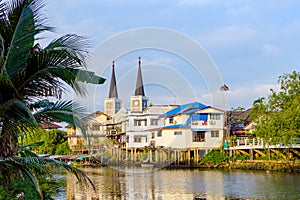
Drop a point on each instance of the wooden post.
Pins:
(132, 155)
(169, 155)
(251, 154)
(176, 157)
(135, 155)
(180, 154)
(150, 155)
(188, 156)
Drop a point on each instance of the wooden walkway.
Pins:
(256, 148)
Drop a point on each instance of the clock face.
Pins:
(136, 102)
(109, 104)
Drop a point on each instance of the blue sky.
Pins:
(250, 42)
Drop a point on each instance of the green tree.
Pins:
(277, 118)
(52, 142)
(29, 74)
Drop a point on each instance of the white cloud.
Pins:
(271, 49)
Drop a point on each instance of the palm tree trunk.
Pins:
(8, 145)
(8, 149)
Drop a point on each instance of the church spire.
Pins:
(113, 93)
(139, 89)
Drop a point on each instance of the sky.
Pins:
(245, 44)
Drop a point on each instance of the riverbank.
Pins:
(279, 166)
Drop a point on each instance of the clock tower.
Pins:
(112, 104)
(139, 101)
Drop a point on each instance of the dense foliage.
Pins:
(214, 157)
(53, 142)
(277, 118)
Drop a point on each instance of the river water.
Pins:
(154, 184)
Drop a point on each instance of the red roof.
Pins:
(49, 125)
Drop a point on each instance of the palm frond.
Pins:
(24, 22)
(66, 111)
(14, 163)
(50, 67)
(29, 165)
(87, 76)
(60, 110)
(73, 44)
(19, 114)
(80, 175)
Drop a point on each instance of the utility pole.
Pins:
(225, 88)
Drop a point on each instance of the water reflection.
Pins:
(140, 183)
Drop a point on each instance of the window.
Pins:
(171, 120)
(212, 122)
(198, 136)
(153, 121)
(127, 139)
(95, 127)
(177, 132)
(159, 133)
(140, 122)
(215, 116)
(137, 123)
(152, 135)
(137, 139)
(214, 133)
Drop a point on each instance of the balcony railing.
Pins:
(245, 142)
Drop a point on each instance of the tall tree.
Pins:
(277, 118)
(30, 73)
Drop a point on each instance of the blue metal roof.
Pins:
(200, 116)
(185, 109)
(175, 126)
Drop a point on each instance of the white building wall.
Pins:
(141, 128)
(169, 139)
(178, 119)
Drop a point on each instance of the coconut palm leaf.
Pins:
(15, 117)
(60, 111)
(23, 22)
(66, 111)
(48, 68)
(87, 76)
(32, 165)
(14, 163)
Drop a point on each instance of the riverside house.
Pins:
(191, 126)
(95, 127)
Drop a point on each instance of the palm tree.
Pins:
(29, 74)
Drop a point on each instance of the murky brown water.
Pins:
(145, 183)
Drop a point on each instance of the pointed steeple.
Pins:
(113, 93)
(139, 88)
